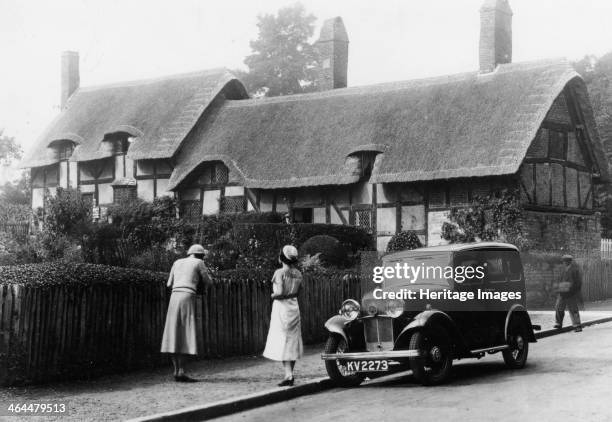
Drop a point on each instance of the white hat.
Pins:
(196, 249)
(290, 254)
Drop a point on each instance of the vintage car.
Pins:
(424, 323)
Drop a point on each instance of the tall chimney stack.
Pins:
(70, 75)
(332, 47)
(495, 34)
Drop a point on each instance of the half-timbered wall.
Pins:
(211, 190)
(95, 178)
(557, 173)
(152, 178)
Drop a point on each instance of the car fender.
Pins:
(336, 325)
(519, 311)
(428, 317)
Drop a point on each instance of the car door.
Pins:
(470, 315)
(496, 283)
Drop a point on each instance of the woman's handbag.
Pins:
(564, 287)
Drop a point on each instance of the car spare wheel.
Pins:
(516, 355)
(434, 361)
(337, 369)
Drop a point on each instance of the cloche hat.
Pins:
(289, 255)
(196, 250)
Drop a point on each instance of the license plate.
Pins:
(367, 365)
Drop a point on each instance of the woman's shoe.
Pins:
(183, 378)
(286, 382)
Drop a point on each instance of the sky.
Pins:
(390, 40)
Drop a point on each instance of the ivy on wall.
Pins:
(494, 217)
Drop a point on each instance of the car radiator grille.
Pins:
(378, 334)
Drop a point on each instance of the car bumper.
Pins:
(388, 355)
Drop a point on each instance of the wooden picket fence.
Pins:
(62, 332)
(606, 249)
(596, 279)
(18, 231)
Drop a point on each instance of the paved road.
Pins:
(568, 377)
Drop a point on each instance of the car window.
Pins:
(494, 267)
(515, 269)
(469, 259)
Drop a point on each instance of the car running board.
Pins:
(481, 352)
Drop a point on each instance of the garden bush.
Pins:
(353, 238)
(404, 240)
(332, 252)
(223, 255)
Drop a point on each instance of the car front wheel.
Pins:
(516, 355)
(433, 364)
(337, 369)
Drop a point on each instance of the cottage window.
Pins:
(124, 194)
(302, 215)
(120, 146)
(557, 144)
(190, 209)
(233, 204)
(363, 219)
(65, 151)
(220, 174)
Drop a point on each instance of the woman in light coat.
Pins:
(284, 341)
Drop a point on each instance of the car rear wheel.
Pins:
(516, 355)
(337, 369)
(433, 364)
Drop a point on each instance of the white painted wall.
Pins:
(211, 202)
(145, 189)
(386, 220)
(105, 193)
(73, 173)
(162, 188)
(38, 196)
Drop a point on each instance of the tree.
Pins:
(16, 192)
(597, 74)
(9, 149)
(283, 62)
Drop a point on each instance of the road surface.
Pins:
(567, 377)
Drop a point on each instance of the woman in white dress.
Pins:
(284, 341)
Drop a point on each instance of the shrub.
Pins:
(154, 259)
(331, 251)
(223, 255)
(404, 240)
(311, 262)
(353, 238)
(66, 214)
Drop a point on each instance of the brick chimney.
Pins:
(332, 47)
(70, 75)
(495, 34)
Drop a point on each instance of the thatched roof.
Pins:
(463, 125)
(157, 112)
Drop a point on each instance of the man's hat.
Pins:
(567, 257)
(196, 250)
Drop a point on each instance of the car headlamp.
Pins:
(394, 308)
(350, 309)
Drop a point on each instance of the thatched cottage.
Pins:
(388, 157)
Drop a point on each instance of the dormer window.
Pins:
(65, 150)
(214, 174)
(120, 146)
(365, 163)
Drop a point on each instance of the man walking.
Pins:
(570, 284)
(180, 333)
